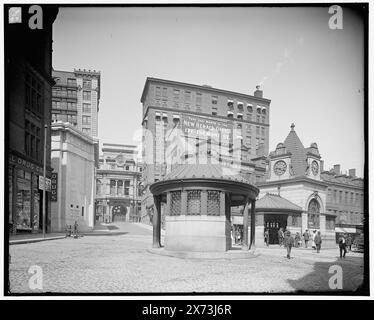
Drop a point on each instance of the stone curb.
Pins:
(23, 241)
(227, 255)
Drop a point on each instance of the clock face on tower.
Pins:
(280, 167)
(315, 167)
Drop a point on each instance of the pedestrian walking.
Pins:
(280, 236)
(75, 229)
(266, 237)
(349, 243)
(306, 237)
(313, 239)
(297, 239)
(288, 243)
(342, 246)
(318, 241)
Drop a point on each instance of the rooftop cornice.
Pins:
(200, 87)
(293, 181)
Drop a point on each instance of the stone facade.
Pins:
(118, 184)
(73, 159)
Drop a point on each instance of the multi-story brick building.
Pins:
(117, 184)
(28, 85)
(185, 122)
(345, 199)
(75, 99)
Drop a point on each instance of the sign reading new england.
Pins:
(202, 128)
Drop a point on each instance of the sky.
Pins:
(313, 75)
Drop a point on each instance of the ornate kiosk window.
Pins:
(313, 214)
(213, 203)
(194, 202)
(176, 201)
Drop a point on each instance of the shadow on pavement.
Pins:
(324, 279)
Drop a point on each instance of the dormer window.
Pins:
(250, 107)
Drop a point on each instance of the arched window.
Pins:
(313, 214)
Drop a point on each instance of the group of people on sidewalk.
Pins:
(286, 239)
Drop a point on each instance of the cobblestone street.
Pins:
(120, 263)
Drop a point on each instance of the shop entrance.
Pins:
(273, 222)
(119, 213)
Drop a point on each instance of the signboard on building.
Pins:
(54, 186)
(41, 183)
(202, 128)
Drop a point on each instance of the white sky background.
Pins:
(313, 75)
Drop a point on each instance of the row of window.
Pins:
(259, 119)
(32, 140)
(114, 187)
(72, 82)
(64, 105)
(177, 94)
(64, 93)
(71, 118)
(350, 217)
(113, 166)
(345, 197)
(194, 202)
(69, 93)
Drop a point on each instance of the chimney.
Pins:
(352, 173)
(337, 169)
(258, 92)
(321, 165)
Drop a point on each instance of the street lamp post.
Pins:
(44, 176)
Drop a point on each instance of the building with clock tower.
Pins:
(294, 195)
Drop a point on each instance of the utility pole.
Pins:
(44, 176)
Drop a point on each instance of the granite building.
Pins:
(75, 99)
(28, 88)
(118, 196)
(74, 160)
